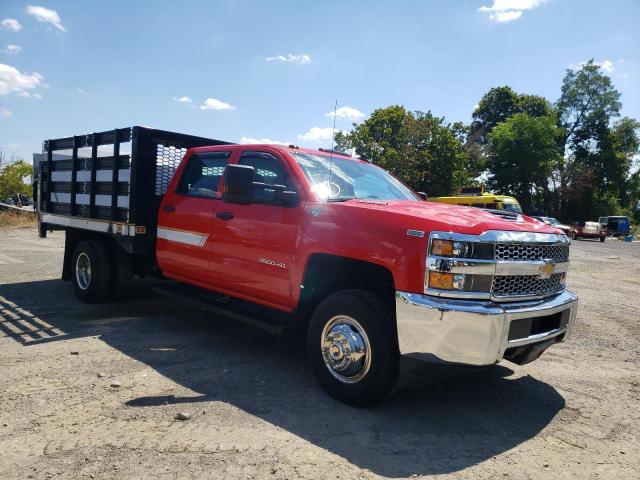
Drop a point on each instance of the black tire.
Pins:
(602, 239)
(97, 285)
(376, 319)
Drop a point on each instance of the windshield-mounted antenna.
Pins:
(333, 138)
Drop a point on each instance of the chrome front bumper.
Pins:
(478, 332)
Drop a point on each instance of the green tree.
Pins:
(524, 149)
(499, 104)
(417, 147)
(587, 104)
(624, 144)
(633, 192)
(588, 99)
(13, 176)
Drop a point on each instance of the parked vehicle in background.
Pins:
(554, 223)
(477, 197)
(616, 226)
(587, 230)
(19, 200)
(319, 243)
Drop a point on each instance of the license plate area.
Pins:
(523, 328)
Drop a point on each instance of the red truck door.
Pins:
(254, 243)
(186, 218)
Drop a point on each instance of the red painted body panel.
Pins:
(195, 215)
(286, 237)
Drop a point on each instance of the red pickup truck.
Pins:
(379, 281)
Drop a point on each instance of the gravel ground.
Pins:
(92, 391)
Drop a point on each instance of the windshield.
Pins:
(350, 179)
(552, 221)
(512, 207)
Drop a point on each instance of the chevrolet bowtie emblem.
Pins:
(547, 270)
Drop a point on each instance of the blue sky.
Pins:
(272, 70)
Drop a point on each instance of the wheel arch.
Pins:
(74, 236)
(325, 274)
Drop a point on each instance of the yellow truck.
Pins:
(477, 197)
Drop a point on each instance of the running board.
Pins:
(270, 320)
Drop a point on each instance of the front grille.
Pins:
(526, 285)
(523, 252)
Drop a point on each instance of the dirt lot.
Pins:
(92, 391)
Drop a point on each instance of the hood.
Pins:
(460, 219)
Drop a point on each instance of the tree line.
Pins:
(572, 159)
(14, 176)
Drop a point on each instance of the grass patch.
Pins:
(10, 218)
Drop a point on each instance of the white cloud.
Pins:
(290, 58)
(265, 141)
(508, 10)
(508, 16)
(12, 49)
(81, 91)
(5, 112)
(13, 81)
(345, 112)
(183, 99)
(215, 104)
(25, 94)
(606, 65)
(317, 134)
(11, 24)
(46, 15)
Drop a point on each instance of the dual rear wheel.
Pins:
(97, 275)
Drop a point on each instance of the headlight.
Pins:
(459, 265)
(450, 248)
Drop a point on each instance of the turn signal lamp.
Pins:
(443, 248)
(446, 281)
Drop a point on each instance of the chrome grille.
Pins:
(523, 252)
(526, 285)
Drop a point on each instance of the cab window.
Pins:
(268, 170)
(202, 175)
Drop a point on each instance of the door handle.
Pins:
(169, 208)
(224, 215)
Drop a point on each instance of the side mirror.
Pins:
(238, 184)
(422, 195)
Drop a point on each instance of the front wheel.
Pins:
(602, 239)
(352, 347)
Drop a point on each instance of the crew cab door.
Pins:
(254, 243)
(186, 218)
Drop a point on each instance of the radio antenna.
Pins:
(333, 139)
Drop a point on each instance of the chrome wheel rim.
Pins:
(83, 271)
(346, 350)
